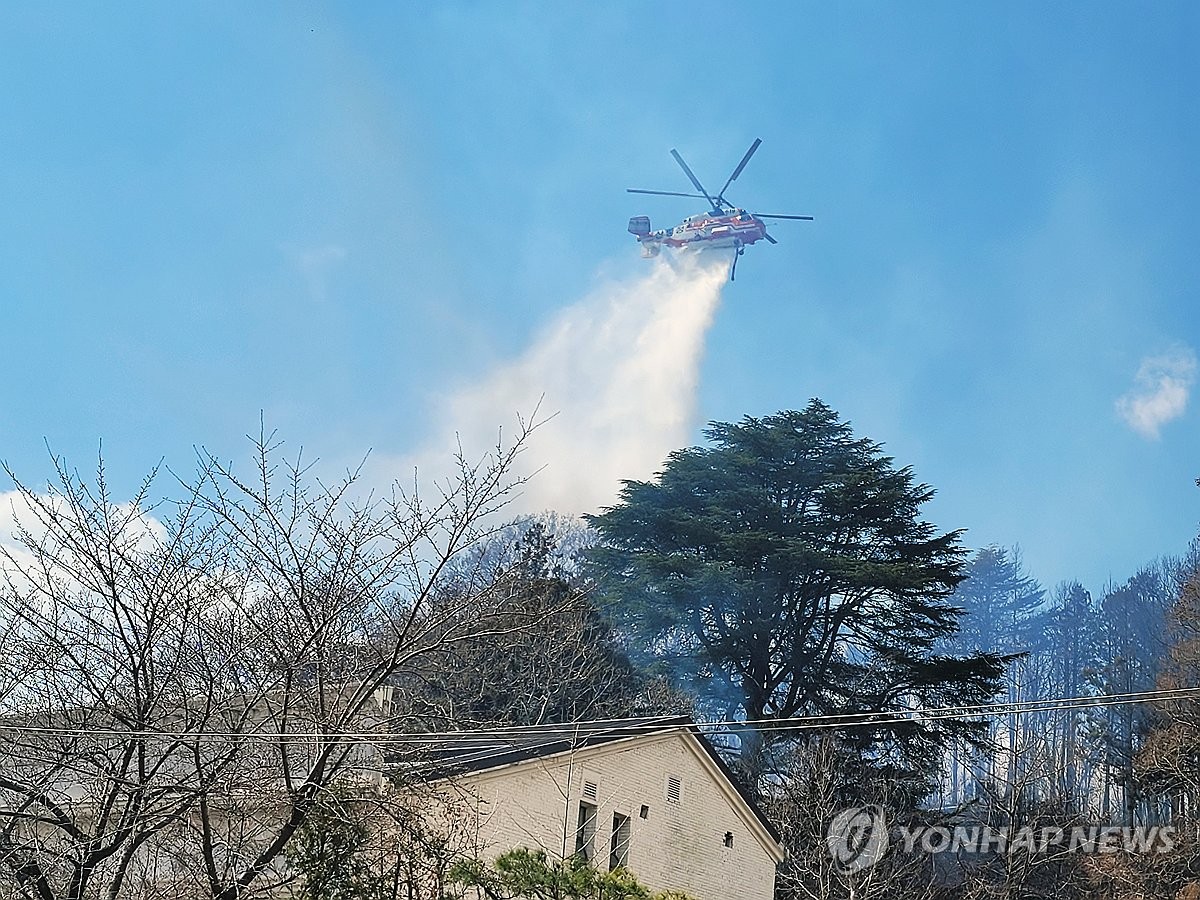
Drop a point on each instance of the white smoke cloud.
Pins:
(614, 380)
(1160, 391)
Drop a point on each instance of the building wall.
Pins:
(677, 844)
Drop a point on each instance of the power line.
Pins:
(996, 708)
(504, 741)
(556, 732)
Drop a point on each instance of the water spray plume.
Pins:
(613, 379)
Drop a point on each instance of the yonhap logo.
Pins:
(857, 837)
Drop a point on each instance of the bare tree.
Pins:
(1016, 798)
(823, 778)
(181, 682)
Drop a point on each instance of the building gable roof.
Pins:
(446, 755)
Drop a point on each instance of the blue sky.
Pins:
(333, 213)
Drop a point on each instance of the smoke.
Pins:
(1160, 391)
(612, 379)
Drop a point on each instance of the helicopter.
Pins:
(723, 226)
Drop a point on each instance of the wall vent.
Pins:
(590, 791)
(674, 788)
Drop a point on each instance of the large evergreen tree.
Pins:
(788, 560)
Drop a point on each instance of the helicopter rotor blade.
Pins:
(695, 181)
(665, 193)
(771, 216)
(769, 238)
(740, 166)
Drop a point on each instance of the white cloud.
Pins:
(617, 373)
(19, 513)
(15, 514)
(1160, 391)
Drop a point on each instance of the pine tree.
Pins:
(788, 560)
(1002, 608)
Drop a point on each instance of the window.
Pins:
(585, 831)
(645, 813)
(729, 839)
(618, 852)
(674, 788)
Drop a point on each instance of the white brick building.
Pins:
(650, 794)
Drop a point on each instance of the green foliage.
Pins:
(787, 560)
(331, 852)
(525, 874)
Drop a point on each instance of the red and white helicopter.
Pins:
(724, 225)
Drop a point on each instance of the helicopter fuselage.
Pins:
(735, 228)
